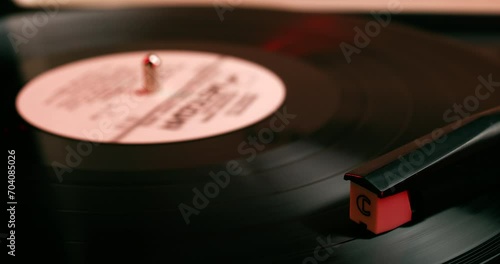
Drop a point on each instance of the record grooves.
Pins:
(487, 251)
(289, 200)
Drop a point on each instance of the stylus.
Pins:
(429, 174)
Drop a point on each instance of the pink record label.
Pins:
(102, 99)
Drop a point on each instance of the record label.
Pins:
(201, 95)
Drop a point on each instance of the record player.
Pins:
(251, 132)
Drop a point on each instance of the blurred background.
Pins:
(473, 21)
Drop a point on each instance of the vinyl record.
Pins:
(251, 193)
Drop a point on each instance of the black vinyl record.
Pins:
(356, 88)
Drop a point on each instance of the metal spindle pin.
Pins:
(151, 78)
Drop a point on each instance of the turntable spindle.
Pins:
(151, 82)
